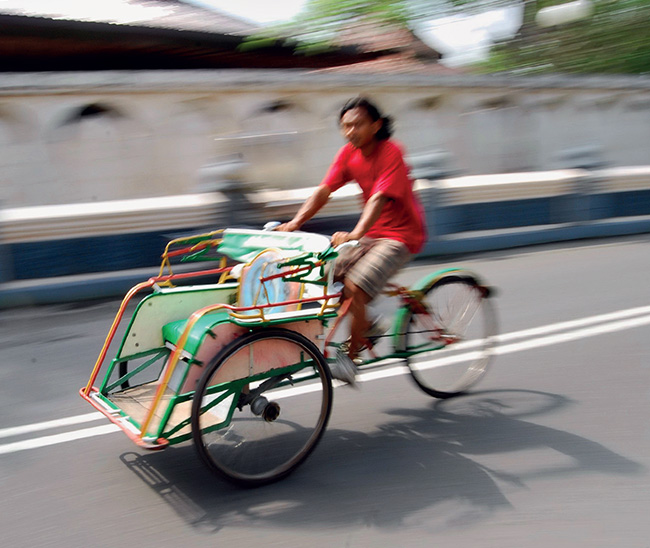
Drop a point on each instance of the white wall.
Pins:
(84, 137)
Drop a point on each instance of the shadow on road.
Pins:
(453, 459)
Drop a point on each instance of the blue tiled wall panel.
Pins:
(86, 255)
(128, 251)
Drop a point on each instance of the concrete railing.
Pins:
(83, 220)
(38, 245)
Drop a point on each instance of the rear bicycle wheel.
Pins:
(449, 335)
(261, 406)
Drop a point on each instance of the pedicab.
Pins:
(236, 356)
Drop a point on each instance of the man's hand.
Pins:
(291, 226)
(339, 238)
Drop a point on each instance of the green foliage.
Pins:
(321, 21)
(255, 42)
(340, 11)
(614, 39)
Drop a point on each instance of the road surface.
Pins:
(552, 449)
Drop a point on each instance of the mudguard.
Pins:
(423, 284)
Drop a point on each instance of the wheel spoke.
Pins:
(271, 426)
(448, 348)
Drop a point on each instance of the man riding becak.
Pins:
(391, 227)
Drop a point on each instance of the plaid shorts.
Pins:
(371, 264)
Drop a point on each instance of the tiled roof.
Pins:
(402, 52)
(56, 35)
(34, 44)
(169, 14)
(397, 63)
(376, 37)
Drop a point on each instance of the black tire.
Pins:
(247, 448)
(448, 363)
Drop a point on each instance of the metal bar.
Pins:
(173, 361)
(140, 368)
(111, 333)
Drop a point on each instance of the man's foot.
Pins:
(344, 369)
(377, 328)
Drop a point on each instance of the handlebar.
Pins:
(272, 225)
(344, 245)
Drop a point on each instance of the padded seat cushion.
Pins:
(173, 330)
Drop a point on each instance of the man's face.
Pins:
(358, 128)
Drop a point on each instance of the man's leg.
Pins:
(358, 323)
(364, 273)
(378, 261)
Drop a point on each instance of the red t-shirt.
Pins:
(383, 171)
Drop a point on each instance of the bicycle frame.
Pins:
(410, 302)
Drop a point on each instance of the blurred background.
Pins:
(125, 121)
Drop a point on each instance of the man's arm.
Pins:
(369, 215)
(313, 204)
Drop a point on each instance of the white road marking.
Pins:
(55, 439)
(36, 427)
(574, 324)
(537, 337)
(574, 335)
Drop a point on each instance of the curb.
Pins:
(107, 285)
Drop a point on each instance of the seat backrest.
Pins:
(254, 292)
(243, 245)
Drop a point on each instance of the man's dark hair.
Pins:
(386, 129)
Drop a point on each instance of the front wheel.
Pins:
(261, 406)
(449, 334)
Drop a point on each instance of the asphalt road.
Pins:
(551, 449)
